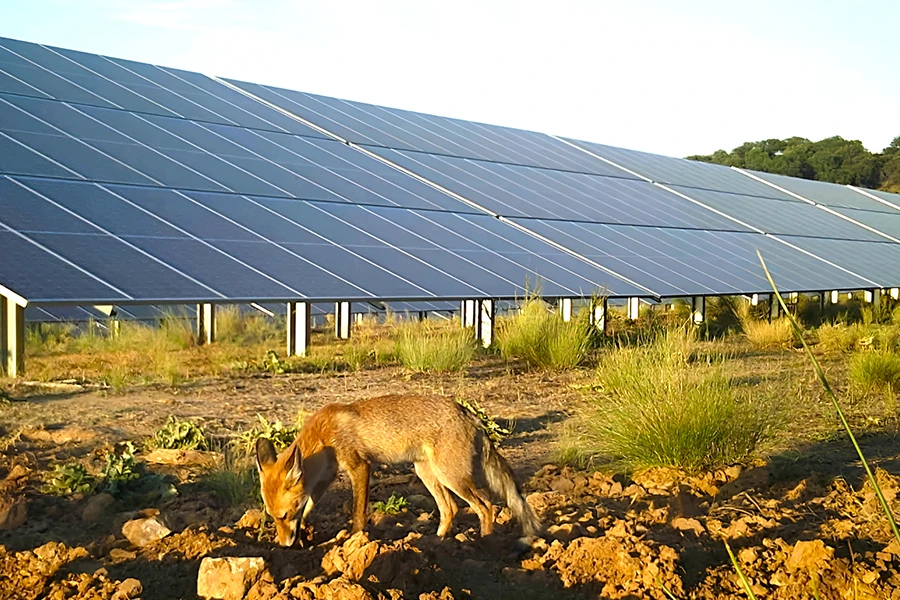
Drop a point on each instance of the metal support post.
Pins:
(634, 308)
(467, 313)
(206, 323)
(12, 338)
(298, 328)
(698, 309)
(565, 309)
(484, 325)
(598, 314)
(342, 320)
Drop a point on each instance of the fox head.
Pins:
(281, 482)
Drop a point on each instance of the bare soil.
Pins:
(802, 522)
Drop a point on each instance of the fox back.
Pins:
(446, 444)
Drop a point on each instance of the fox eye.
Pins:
(282, 516)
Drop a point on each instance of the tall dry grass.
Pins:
(425, 346)
(542, 338)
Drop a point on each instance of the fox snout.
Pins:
(286, 531)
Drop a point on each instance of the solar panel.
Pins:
(886, 222)
(781, 216)
(80, 78)
(878, 260)
(406, 130)
(682, 172)
(519, 191)
(823, 192)
(891, 200)
(677, 262)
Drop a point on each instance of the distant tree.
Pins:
(833, 159)
(890, 167)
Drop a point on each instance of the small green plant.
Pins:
(69, 478)
(876, 369)
(280, 434)
(494, 430)
(392, 506)
(180, 435)
(543, 339)
(120, 469)
(423, 347)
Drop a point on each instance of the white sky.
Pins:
(676, 77)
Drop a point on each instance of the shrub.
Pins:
(838, 337)
(542, 338)
(878, 369)
(425, 347)
(180, 435)
(658, 410)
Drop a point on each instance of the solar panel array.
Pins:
(136, 183)
(605, 208)
(127, 183)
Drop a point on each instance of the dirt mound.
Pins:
(55, 571)
(612, 566)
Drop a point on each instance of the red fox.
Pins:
(447, 445)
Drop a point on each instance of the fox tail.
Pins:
(502, 482)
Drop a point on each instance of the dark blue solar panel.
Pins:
(133, 272)
(781, 216)
(678, 262)
(874, 260)
(42, 71)
(406, 130)
(822, 192)
(680, 171)
(512, 190)
(58, 280)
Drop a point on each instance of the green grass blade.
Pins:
(740, 573)
(798, 332)
(665, 589)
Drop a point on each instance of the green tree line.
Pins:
(833, 159)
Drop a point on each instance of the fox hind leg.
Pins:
(445, 503)
(464, 487)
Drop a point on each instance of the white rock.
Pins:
(228, 578)
(141, 532)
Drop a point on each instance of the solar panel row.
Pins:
(129, 182)
(134, 190)
(537, 183)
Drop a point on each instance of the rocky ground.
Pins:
(802, 525)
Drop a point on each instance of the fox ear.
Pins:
(294, 465)
(265, 453)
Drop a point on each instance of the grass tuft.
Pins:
(764, 334)
(660, 407)
(425, 347)
(875, 370)
(543, 339)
